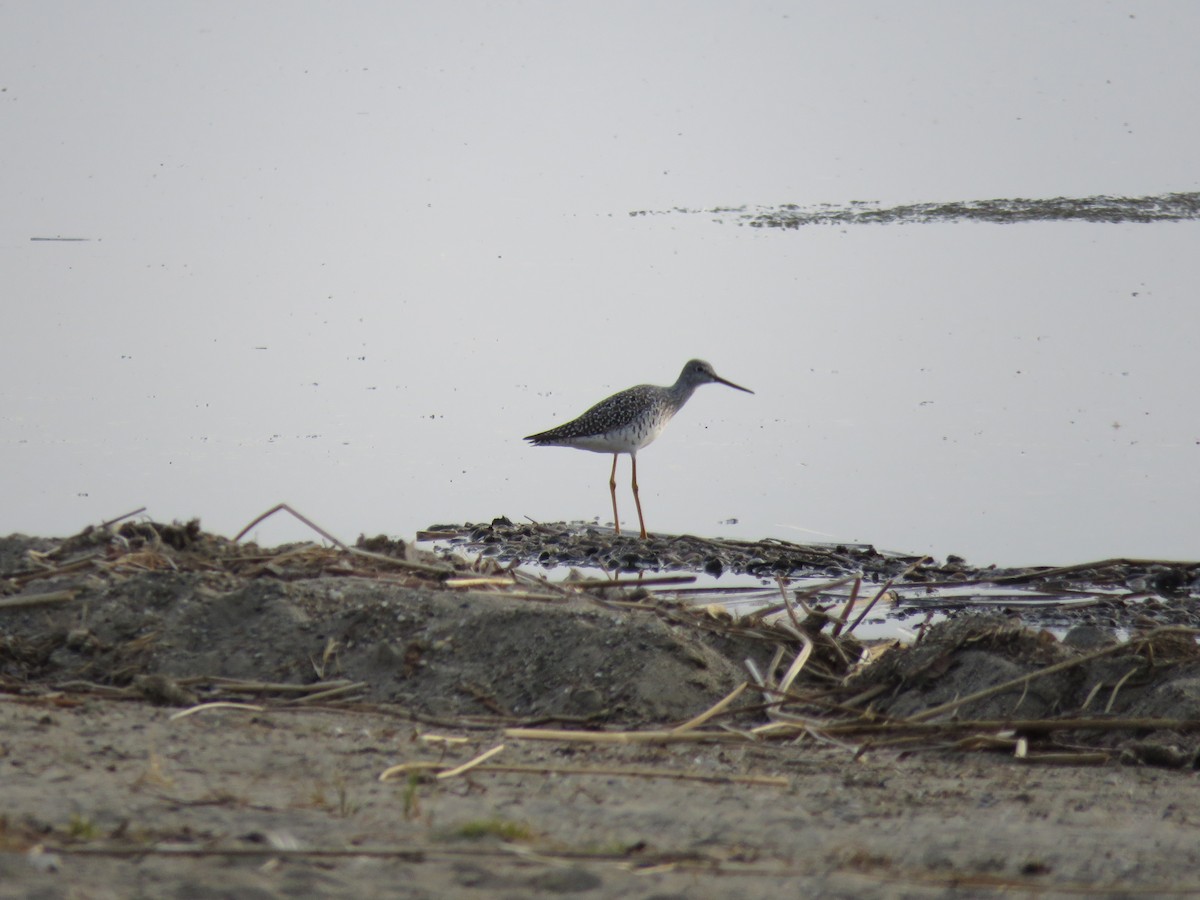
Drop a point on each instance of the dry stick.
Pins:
(221, 704)
(239, 686)
(1010, 725)
(887, 585)
(621, 737)
(848, 608)
(1049, 670)
(477, 581)
(799, 661)
(716, 709)
(1116, 687)
(924, 626)
(393, 561)
(523, 595)
(759, 614)
(1091, 695)
(776, 659)
(823, 701)
(136, 512)
(39, 599)
(756, 675)
(814, 589)
(723, 589)
(332, 692)
(869, 694)
(85, 562)
(862, 615)
(559, 589)
(630, 582)
(357, 551)
(800, 592)
(104, 690)
(788, 725)
(787, 604)
(1077, 567)
(1021, 699)
(469, 764)
(602, 771)
(283, 506)
(392, 771)
(447, 739)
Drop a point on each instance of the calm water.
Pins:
(1017, 394)
(348, 263)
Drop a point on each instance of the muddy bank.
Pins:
(130, 611)
(174, 615)
(649, 747)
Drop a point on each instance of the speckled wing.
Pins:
(622, 423)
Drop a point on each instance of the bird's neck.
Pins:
(681, 392)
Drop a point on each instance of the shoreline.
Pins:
(638, 758)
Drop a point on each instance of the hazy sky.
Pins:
(345, 255)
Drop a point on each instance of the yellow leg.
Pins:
(636, 498)
(612, 489)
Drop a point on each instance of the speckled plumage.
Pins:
(629, 420)
(622, 423)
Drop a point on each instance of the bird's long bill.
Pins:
(731, 384)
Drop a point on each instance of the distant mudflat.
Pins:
(1173, 207)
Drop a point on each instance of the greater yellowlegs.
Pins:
(628, 421)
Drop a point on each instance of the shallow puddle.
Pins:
(896, 595)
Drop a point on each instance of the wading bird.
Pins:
(628, 421)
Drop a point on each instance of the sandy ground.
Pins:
(283, 803)
(107, 792)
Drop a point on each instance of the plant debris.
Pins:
(309, 718)
(173, 615)
(1107, 594)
